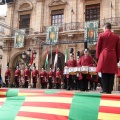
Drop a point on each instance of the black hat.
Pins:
(71, 52)
(85, 45)
(34, 65)
(78, 54)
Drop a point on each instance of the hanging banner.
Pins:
(91, 31)
(52, 34)
(19, 38)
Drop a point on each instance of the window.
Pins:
(1, 29)
(24, 21)
(92, 12)
(57, 17)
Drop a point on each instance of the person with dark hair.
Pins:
(108, 54)
(27, 76)
(35, 76)
(50, 78)
(17, 76)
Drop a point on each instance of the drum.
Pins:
(84, 69)
(92, 71)
(66, 70)
(77, 69)
(72, 71)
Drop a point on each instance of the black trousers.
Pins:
(50, 83)
(17, 81)
(26, 84)
(6, 80)
(71, 82)
(84, 82)
(108, 82)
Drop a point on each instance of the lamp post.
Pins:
(28, 55)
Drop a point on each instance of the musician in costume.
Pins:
(58, 79)
(78, 76)
(50, 78)
(17, 76)
(86, 60)
(71, 63)
(43, 78)
(7, 75)
(35, 76)
(27, 76)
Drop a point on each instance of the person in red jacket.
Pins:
(50, 78)
(58, 79)
(27, 76)
(35, 76)
(17, 77)
(86, 60)
(43, 78)
(7, 76)
(108, 54)
(71, 63)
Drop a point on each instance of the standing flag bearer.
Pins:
(35, 76)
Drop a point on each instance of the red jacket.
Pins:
(18, 73)
(88, 61)
(7, 73)
(72, 63)
(107, 52)
(35, 73)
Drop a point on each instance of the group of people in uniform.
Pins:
(56, 79)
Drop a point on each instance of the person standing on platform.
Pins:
(7, 76)
(108, 54)
(71, 63)
(78, 76)
(27, 76)
(43, 78)
(50, 78)
(58, 79)
(86, 60)
(35, 76)
(17, 77)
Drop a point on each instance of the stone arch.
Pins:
(25, 5)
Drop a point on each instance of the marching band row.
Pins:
(76, 74)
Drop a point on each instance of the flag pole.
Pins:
(51, 55)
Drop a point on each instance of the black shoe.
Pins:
(103, 92)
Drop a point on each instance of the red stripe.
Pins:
(2, 96)
(42, 116)
(47, 104)
(3, 90)
(110, 97)
(31, 91)
(114, 110)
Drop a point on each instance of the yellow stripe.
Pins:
(29, 94)
(54, 111)
(2, 93)
(108, 116)
(2, 99)
(110, 103)
(49, 99)
(26, 118)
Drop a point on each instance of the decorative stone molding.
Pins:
(25, 6)
(57, 3)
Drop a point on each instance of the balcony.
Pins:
(67, 27)
(75, 26)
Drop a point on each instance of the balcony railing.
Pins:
(66, 27)
(80, 25)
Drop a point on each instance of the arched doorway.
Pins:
(60, 62)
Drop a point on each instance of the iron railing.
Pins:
(115, 21)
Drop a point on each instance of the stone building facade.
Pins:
(36, 15)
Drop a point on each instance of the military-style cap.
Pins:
(78, 54)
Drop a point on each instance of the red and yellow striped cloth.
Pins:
(27, 104)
